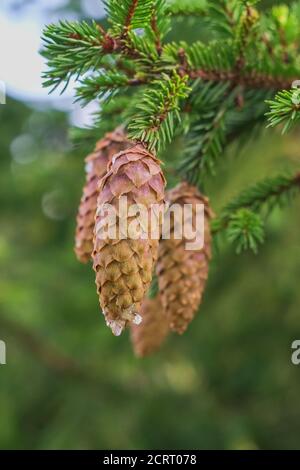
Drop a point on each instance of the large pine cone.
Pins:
(96, 166)
(149, 336)
(123, 264)
(182, 273)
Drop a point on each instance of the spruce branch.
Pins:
(205, 141)
(283, 26)
(242, 220)
(243, 121)
(245, 231)
(145, 43)
(260, 198)
(103, 85)
(156, 116)
(127, 15)
(244, 32)
(72, 48)
(160, 23)
(146, 48)
(217, 116)
(206, 146)
(132, 54)
(284, 109)
(223, 16)
(156, 33)
(216, 62)
(253, 80)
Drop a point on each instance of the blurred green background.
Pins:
(228, 383)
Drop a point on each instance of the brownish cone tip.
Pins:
(148, 337)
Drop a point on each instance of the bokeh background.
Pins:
(228, 383)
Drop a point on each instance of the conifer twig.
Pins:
(269, 192)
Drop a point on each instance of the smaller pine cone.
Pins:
(182, 273)
(124, 264)
(96, 166)
(148, 337)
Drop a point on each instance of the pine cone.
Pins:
(96, 166)
(182, 273)
(149, 336)
(124, 265)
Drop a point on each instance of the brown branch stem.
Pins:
(156, 33)
(251, 80)
(129, 18)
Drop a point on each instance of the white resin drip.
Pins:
(128, 315)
